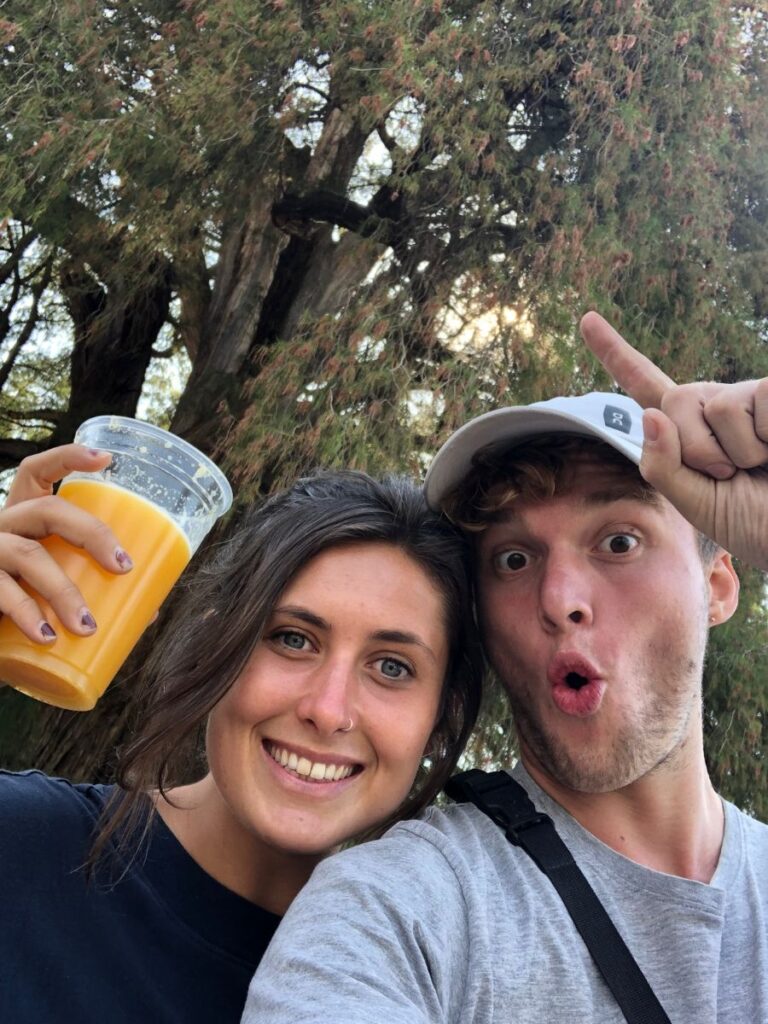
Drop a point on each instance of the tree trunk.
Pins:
(114, 337)
(249, 254)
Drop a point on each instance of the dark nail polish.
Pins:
(123, 559)
(87, 620)
(47, 630)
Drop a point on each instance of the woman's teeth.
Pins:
(316, 770)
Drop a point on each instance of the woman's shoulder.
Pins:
(33, 803)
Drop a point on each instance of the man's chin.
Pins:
(580, 772)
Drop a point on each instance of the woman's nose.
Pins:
(327, 704)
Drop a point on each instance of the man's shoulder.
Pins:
(754, 831)
(455, 832)
(454, 848)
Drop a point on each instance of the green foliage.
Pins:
(380, 218)
(736, 730)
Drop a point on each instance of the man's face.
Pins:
(594, 607)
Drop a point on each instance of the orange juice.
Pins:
(74, 671)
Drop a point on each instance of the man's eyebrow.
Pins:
(608, 495)
(508, 514)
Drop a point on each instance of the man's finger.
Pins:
(631, 370)
(761, 409)
(37, 474)
(733, 416)
(700, 442)
(661, 465)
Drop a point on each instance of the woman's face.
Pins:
(321, 735)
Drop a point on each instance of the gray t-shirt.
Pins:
(444, 922)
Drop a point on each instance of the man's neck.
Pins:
(670, 820)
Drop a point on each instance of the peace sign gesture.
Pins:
(706, 444)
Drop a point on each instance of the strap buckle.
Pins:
(519, 825)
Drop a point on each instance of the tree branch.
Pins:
(69, 222)
(386, 138)
(26, 332)
(330, 208)
(20, 247)
(52, 416)
(13, 450)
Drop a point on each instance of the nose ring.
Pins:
(347, 727)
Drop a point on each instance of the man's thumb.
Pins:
(662, 458)
(662, 466)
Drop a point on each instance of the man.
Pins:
(595, 596)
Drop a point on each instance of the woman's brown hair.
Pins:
(229, 601)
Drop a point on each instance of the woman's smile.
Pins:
(323, 732)
(310, 767)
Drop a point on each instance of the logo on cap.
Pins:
(617, 419)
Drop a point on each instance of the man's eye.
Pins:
(510, 561)
(618, 543)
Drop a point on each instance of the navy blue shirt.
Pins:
(166, 942)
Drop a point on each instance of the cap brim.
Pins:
(454, 460)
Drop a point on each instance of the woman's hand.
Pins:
(32, 513)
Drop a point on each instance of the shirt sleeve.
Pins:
(378, 936)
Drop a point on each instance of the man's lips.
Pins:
(577, 687)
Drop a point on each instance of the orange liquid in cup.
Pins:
(74, 671)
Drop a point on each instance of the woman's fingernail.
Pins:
(87, 620)
(123, 559)
(47, 631)
(96, 452)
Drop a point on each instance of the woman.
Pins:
(328, 653)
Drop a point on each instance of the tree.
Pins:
(365, 221)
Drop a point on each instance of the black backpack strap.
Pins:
(507, 803)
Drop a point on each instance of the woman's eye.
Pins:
(510, 561)
(289, 638)
(393, 669)
(618, 543)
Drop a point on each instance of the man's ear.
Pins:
(723, 588)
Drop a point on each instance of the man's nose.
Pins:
(565, 596)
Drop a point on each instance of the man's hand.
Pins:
(706, 445)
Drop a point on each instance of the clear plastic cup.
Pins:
(160, 496)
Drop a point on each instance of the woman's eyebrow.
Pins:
(304, 614)
(399, 636)
(391, 636)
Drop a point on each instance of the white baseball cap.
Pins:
(613, 418)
